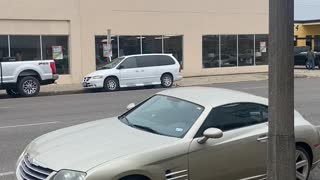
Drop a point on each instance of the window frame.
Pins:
(200, 131)
(126, 59)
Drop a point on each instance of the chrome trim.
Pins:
(178, 177)
(177, 172)
(263, 176)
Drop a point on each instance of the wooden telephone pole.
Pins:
(281, 144)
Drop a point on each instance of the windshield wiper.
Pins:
(145, 128)
(126, 119)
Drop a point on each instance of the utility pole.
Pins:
(281, 143)
(109, 45)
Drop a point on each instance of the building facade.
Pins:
(208, 37)
(307, 33)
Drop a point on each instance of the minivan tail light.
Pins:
(53, 67)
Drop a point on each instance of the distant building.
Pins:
(208, 37)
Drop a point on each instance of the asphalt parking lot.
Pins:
(23, 119)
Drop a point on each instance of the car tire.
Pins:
(303, 163)
(111, 84)
(166, 80)
(28, 86)
(13, 92)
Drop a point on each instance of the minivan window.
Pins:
(164, 61)
(129, 63)
(112, 64)
(146, 61)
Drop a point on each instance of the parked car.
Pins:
(183, 133)
(135, 70)
(301, 59)
(24, 78)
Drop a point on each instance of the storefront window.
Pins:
(261, 49)
(4, 49)
(228, 50)
(246, 50)
(129, 45)
(174, 45)
(151, 44)
(101, 57)
(56, 48)
(210, 51)
(25, 48)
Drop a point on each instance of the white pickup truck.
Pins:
(24, 78)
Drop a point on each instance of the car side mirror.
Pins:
(211, 133)
(131, 106)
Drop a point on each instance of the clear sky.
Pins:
(306, 9)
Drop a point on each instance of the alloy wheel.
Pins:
(167, 81)
(30, 87)
(302, 165)
(112, 85)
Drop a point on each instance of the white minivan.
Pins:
(135, 70)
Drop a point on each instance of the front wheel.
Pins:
(166, 81)
(303, 164)
(28, 86)
(111, 84)
(13, 92)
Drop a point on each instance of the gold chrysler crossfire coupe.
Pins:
(192, 133)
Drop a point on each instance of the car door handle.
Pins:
(263, 139)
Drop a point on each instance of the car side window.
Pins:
(234, 116)
(145, 61)
(129, 63)
(164, 60)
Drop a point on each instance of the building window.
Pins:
(309, 41)
(210, 51)
(25, 48)
(246, 50)
(174, 45)
(261, 56)
(101, 57)
(129, 45)
(4, 48)
(317, 43)
(49, 44)
(151, 44)
(228, 50)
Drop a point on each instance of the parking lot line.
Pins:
(6, 174)
(27, 125)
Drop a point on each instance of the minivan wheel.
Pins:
(111, 84)
(28, 86)
(13, 92)
(166, 81)
(303, 164)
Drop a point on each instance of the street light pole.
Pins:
(281, 144)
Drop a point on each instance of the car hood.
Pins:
(99, 73)
(88, 145)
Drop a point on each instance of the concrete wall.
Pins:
(83, 19)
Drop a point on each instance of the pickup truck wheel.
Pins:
(13, 93)
(28, 86)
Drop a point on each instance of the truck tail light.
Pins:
(53, 67)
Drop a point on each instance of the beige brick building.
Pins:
(208, 37)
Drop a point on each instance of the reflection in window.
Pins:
(4, 49)
(56, 48)
(25, 47)
(174, 45)
(228, 50)
(129, 45)
(210, 51)
(151, 44)
(101, 42)
(261, 50)
(246, 50)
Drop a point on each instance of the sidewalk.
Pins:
(57, 89)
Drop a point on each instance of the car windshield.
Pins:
(112, 64)
(164, 115)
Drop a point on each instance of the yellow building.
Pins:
(208, 37)
(307, 33)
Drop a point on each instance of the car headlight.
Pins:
(69, 175)
(97, 77)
